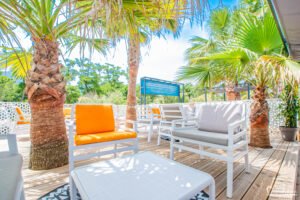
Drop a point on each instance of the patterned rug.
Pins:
(62, 193)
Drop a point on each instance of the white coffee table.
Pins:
(141, 176)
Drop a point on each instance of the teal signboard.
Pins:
(150, 86)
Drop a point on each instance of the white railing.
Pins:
(120, 110)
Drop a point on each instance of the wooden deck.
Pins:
(273, 172)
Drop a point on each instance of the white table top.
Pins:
(142, 176)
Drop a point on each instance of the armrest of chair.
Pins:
(12, 143)
(134, 125)
(236, 134)
(182, 121)
(237, 124)
(71, 129)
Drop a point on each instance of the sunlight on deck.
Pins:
(271, 172)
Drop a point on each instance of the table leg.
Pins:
(212, 190)
(115, 149)
(73, 190)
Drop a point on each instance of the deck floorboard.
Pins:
(270, 172)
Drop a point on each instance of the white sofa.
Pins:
(219, 126)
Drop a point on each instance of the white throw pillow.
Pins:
(217, 117)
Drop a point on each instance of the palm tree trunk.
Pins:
(133, 64)
(231, 93)
(45, 88)
(259, 119)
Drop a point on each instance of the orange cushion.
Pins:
(67, 112)
(156, 111)
(23, 122)
(20, 113)
(94, 119)
(103, 137)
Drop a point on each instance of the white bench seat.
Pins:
(204, 136)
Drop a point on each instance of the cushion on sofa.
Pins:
(217, 117)
(203, 136)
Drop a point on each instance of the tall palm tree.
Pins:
(46, 21)
(256, 50)
(140, 23)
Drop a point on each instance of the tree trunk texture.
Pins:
(133, 64)
(45, 88)
(259, 120)
(231, 91)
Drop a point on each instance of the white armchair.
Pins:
(148, 117)
(220, 126)
(11, 182)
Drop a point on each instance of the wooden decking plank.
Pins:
(285, 183)
(38, 183)
(261, 187)
(244, 180)
(298, 179)
(238, 168)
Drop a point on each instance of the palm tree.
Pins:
(46, 21)
(207, 74)
(256, 50)
(143, 21)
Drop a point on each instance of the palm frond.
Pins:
(259, 35)
(17, 60)
(204, 75)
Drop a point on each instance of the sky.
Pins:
(162, 57)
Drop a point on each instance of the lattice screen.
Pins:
(120, 110)
(6, 123)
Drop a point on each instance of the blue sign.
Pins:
(157, 87)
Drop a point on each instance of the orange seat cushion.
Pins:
(94, 119)
(103, 137)
(22, 119)
(20, 113)
(23, 122)
(67, 113)
(156, 111)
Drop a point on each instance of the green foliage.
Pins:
(259, 35)
(219, 23)
(10, 91)
(98, 83)
(115, 97)
(93, 77)
(290, 105)
(73, 94)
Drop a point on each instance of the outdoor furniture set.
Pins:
(143, 175)
(216, 126)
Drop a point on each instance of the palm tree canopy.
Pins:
(255, 45)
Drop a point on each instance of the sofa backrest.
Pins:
(171, 112)
(216, 117)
